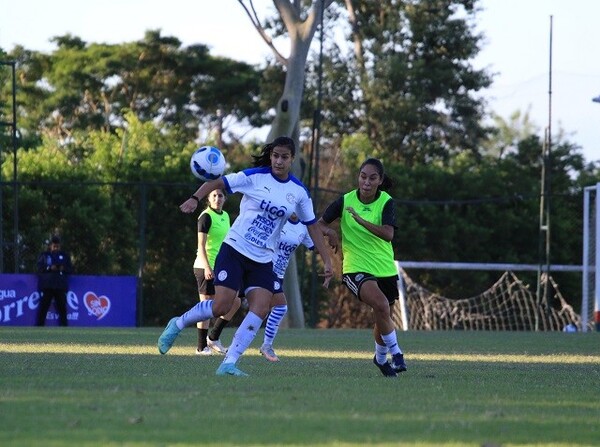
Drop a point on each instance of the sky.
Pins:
(516, 47)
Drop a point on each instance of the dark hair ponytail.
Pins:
(387, 183)
(264, 158)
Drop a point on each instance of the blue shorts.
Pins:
(238, 272)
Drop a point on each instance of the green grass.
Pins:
(103, 387)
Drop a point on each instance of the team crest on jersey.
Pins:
(222, 275)
(291, 198)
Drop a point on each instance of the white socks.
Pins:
(243, 337)
(391, 342)
(381, 353)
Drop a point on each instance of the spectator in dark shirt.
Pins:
(54, 267)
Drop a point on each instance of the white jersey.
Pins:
(292, 235)
(266, 206)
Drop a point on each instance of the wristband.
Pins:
(195, 198)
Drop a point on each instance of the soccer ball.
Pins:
(207, 163)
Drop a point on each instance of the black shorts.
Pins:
(388, 284)
(205, 286)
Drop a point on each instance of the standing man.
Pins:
(54, 267)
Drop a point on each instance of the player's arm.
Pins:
(332, 213)
(204, 224)
(203, 256)
(190, 204)
(384, 231)
(317, 236)
(330, 234)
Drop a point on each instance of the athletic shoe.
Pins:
(268, 353)
(205, 351)
(216, 346)
(398, 363)
(166, 339)
(386, 369)
(229, 369)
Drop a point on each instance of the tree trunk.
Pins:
(300, 33)
(287, 116)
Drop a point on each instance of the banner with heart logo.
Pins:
(98, 306)
(109, 301)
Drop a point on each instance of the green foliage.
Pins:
(87, 87)
(471, 209)
(409, 83)
(105, 133)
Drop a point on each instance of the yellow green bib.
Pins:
(362, 250)
(216, 234)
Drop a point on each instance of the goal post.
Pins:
(590, 287)
(402, 297)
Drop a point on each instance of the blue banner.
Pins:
(91, 301)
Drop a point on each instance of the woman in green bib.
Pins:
(213, 224)
(367, 224)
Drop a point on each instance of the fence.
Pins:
(136, 229)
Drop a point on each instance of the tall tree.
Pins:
(91, 86)
(417, 88)
(300, 25)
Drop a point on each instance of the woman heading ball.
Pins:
(270, 196)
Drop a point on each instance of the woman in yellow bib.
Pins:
(367, 224)
(213, 224)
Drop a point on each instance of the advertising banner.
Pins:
(93, 301)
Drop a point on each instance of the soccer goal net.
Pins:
(509, 305)
(590, 295)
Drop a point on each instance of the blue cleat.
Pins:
(385, 368)
(229, 369)
(398, 363)
(166, 339)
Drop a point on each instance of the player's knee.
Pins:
(221, 307)
(382, 309)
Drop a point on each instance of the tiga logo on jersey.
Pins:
(274, 211)
(286, 248)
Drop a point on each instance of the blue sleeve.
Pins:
(227, 187)
(41, 263)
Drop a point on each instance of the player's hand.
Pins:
(354, 214)
(333, 240)
(327, 274)
(188, 206)
(208, 273)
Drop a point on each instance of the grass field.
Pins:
(109, 387)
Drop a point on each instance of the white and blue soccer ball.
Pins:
(207, 163)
